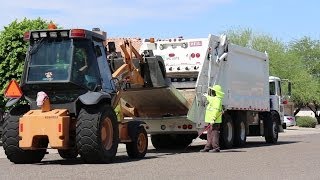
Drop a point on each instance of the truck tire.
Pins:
(68, 153)
(10, 139)
(161, 141)
(183, 140)
(240, 133)
(171, 141)
(97, 134)
(226, 132)
(271, 128)
(139, 145)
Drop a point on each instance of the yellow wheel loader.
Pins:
(72, 94)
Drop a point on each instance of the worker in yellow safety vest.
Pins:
(213, 116)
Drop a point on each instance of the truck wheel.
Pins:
(139, 145)
(272, 128)
(160, 141)
(226, 132)
(97, 134)
(68, 153)
(240, 133)
(183, 140)
(10, 139)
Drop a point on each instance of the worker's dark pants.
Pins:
(213, 134)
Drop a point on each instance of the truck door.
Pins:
(275, 97)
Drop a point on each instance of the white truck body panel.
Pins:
(244, 77)
(177, 54)
(242, 72)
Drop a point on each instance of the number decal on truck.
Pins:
(195, 43)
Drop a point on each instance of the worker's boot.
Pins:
(205, 150)
(214, 150)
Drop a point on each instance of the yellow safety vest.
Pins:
(213, 110)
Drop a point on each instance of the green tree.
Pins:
(308, 51)
(284, 63)
(13, 50)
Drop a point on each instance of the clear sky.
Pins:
(283, 19)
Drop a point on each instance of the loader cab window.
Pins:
(49, 60)
(85, 71)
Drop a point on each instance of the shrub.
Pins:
(306, 121)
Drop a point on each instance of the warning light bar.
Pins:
(73, 33)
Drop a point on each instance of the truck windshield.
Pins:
(49, 60)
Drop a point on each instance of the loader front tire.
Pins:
(10, 139)
(97, 134)
(68, 153)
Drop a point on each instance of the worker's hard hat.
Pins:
(217, 89)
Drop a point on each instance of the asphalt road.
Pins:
(296, 156)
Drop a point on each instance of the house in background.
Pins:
(306, 112)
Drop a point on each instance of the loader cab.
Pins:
(67, 62)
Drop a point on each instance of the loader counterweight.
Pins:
(53, 125)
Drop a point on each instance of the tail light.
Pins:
(184, 126)
(193, 55)
(189, 126)
(59, 127)
(198, 55)
(77, 33)
(171, 55)
(21, 127)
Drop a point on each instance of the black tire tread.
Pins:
(268, 128)
(131, 147)
(88, 139)
(223, 143)
(238, 142)
(10, 139)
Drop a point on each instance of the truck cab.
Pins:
(278, 98)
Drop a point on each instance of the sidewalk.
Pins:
(296, 130)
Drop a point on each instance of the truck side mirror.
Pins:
(289, 88)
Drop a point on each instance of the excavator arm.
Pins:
(127, 73)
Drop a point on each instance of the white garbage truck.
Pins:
(252, 103)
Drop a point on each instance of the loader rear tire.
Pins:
(97, 134)
(10, 139)
(139, 145)
(226, 132)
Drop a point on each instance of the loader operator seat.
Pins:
(83, 71)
